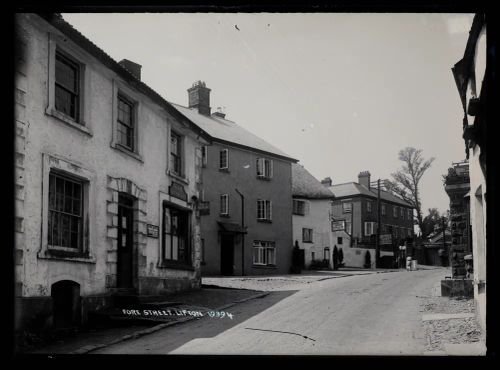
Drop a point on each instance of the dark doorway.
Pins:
(65, 304)
(124, 273)
(227, 254)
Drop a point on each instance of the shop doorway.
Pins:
(124, 274)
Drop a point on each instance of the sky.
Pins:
(341, 92)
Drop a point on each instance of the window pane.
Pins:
(66, 74)
(175, 246)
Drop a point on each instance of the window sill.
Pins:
(127, 151)
(264, 178)
(175, 265)
(177, 177)
(269, 267)
(265, 221)
(308, 242)
(68, 120)
(66, 255)
(224, 215)
(298, 214)
(226, 170)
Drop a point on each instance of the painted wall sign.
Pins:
(385, 239)
(153, 231)
(177, 190)
(338, 225)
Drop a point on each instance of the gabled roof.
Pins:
(350, 189)
(305, 185)
(57, 21)
(223, 130)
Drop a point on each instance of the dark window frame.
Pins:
(307, 235)
(296, 209)
(176, 231)
(176, 155)
(129, 127)
(224, 152)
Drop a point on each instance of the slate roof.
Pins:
(350, 189)
(228, 131)
(56, 20)
(305, 185)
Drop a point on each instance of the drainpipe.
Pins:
(242, 235)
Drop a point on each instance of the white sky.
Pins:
(340, 92)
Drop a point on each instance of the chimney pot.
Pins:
(132, 67)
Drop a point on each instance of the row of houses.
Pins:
(122, 193)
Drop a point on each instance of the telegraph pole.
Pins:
(377, 250)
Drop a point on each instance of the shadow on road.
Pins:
(168, 339)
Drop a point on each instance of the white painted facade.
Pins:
(478, 190)
(47, 141)
(317, 218)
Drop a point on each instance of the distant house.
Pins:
(354, 221)
(311, 216)
(246, 199)
(471, 75)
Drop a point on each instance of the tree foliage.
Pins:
(432, 221)
(406, 181)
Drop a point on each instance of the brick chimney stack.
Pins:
(327, 181)
(199, 97)
(132, 67)
(364, 179)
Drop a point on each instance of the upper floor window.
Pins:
(125, 127)
(264, 168)
(224, 159)
(175, 154)
(402, 213)
(299, 207)
(347, 207)
(370, 228)
(65, 216)
(264, 209)
(410, 214)
(307, 235)
(395, 211)
(224, 204)
(67, 86)
(382, 209)
(369, 206)
(348, 227)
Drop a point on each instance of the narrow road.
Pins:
(377, 314)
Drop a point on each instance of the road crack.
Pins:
(283, 332)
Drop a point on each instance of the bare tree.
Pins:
(406, 180)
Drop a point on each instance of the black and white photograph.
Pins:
(251, 183)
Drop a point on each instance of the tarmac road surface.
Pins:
(376, 314)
